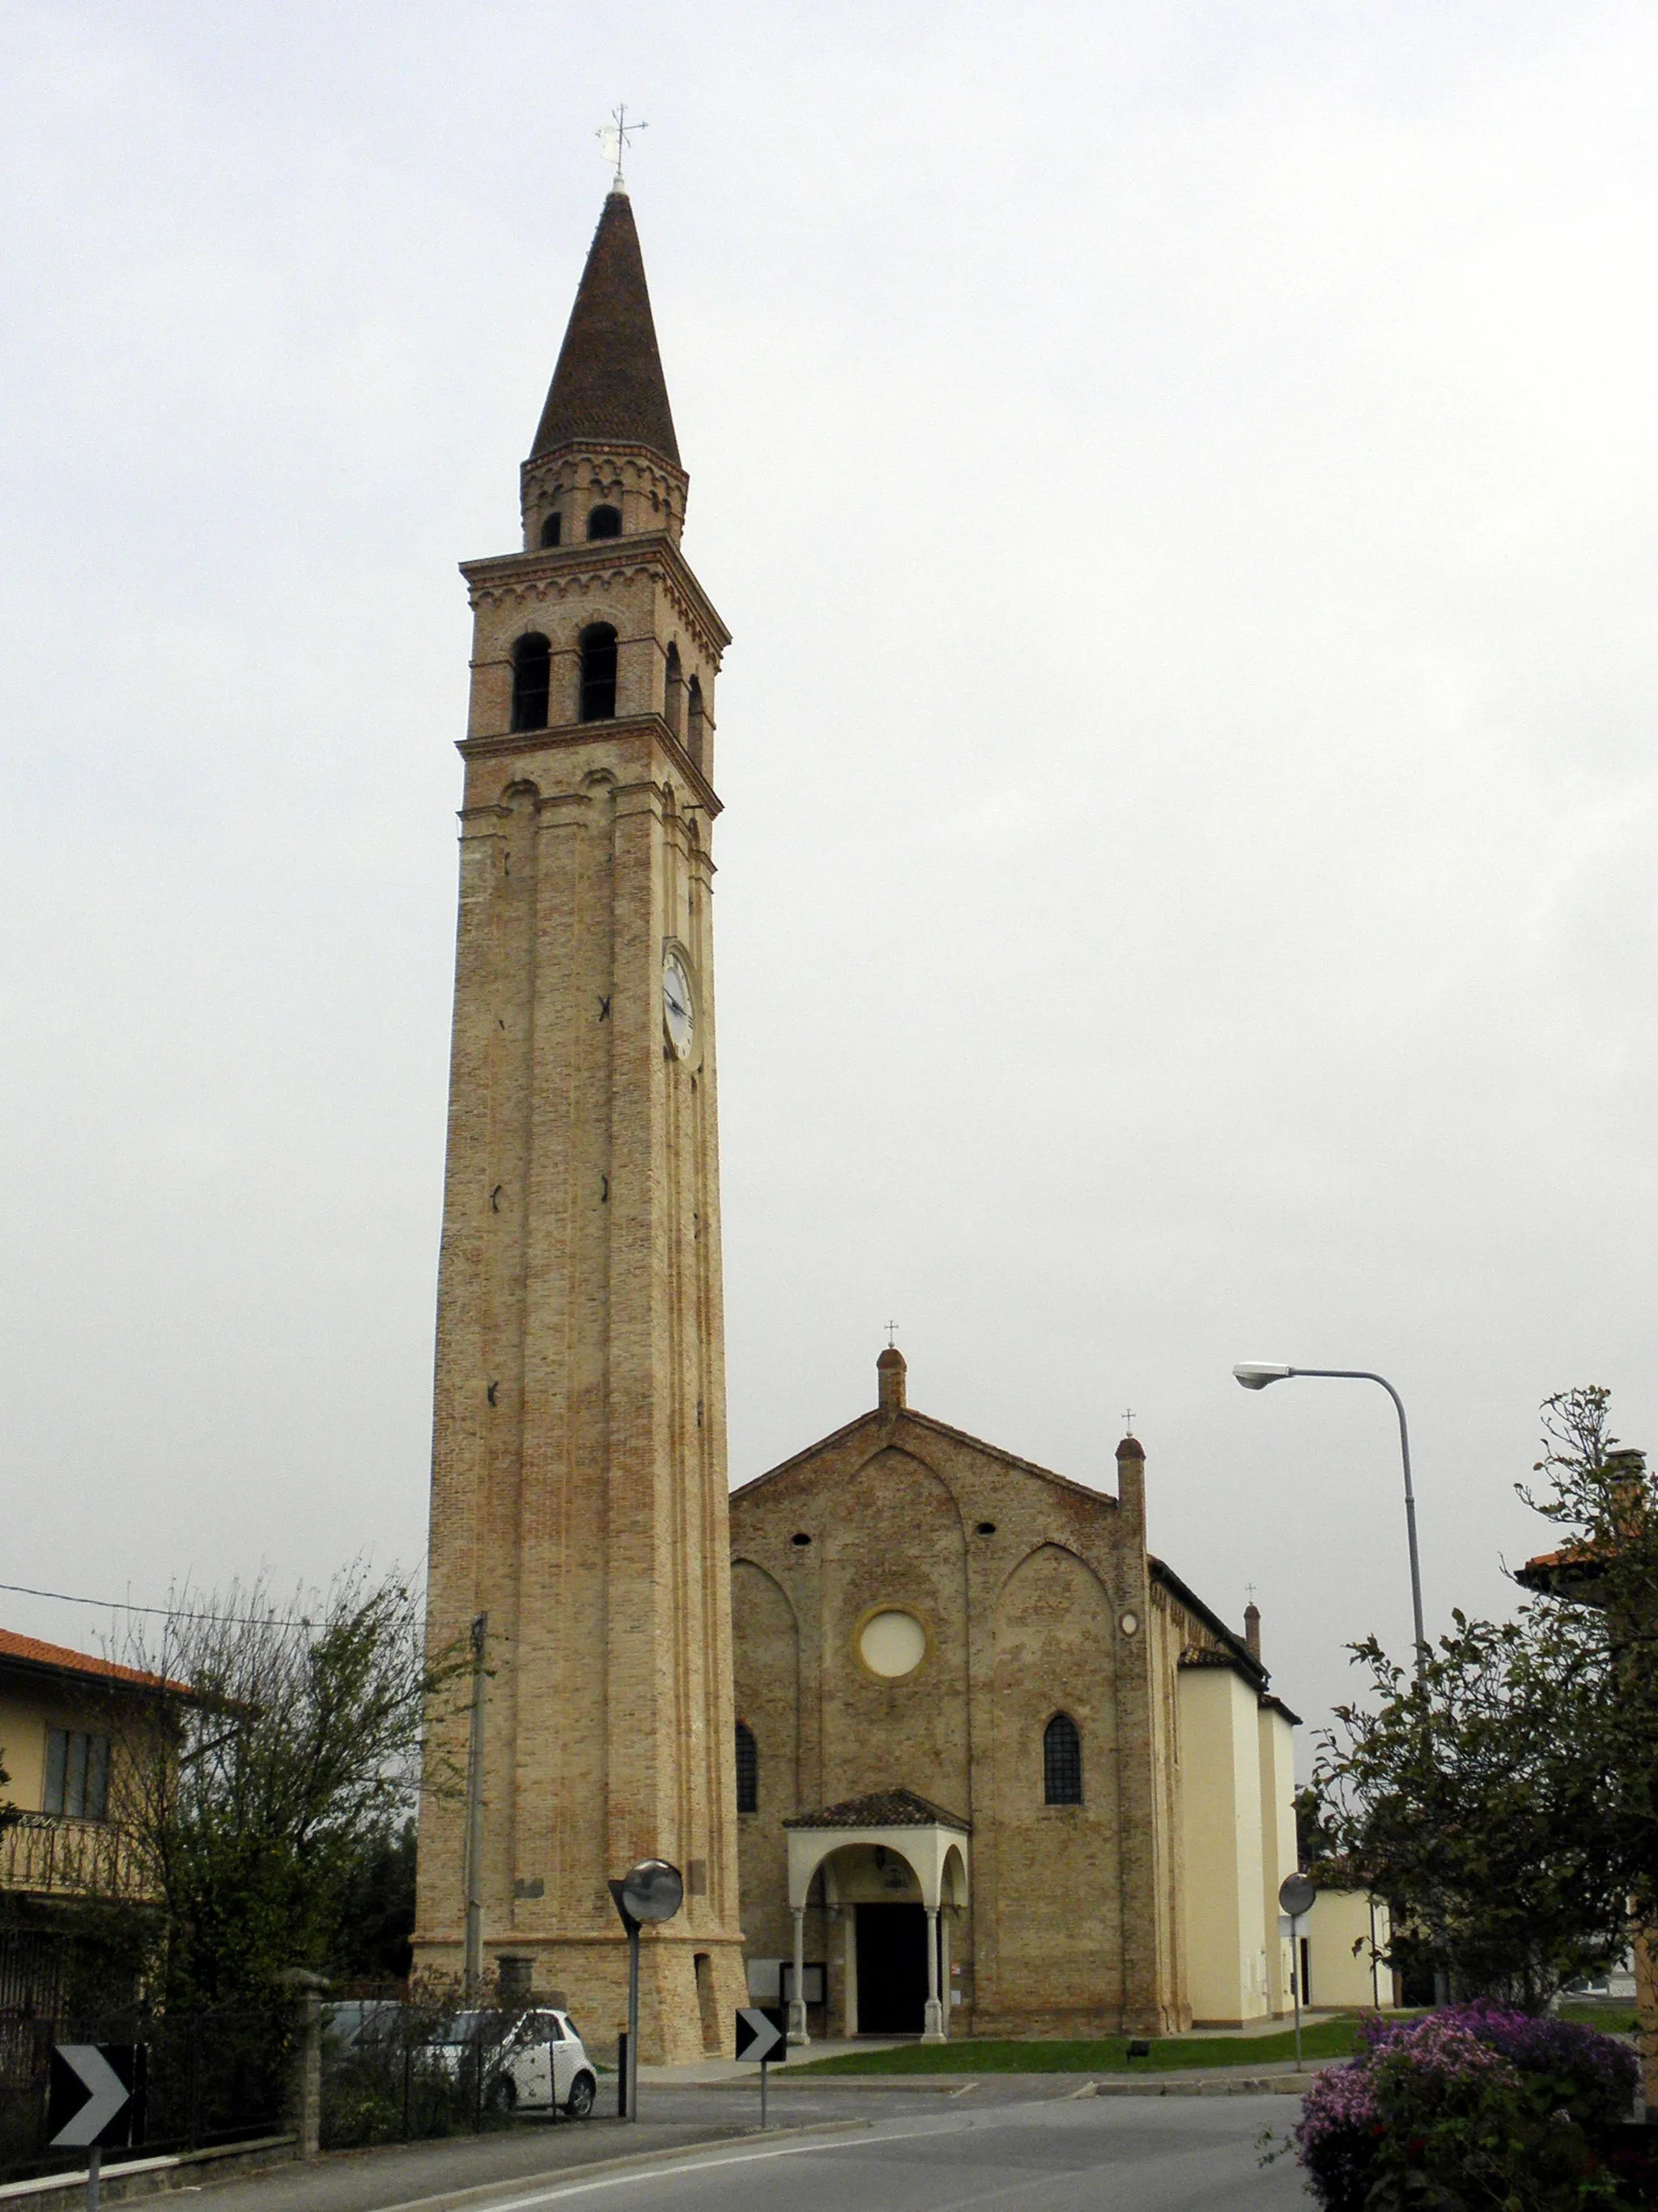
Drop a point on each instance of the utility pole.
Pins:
(475, 1851)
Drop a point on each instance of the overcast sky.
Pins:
(1181, 480)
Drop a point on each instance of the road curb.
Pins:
(1208, 2084)
(1252, 2084)
(942, 2085)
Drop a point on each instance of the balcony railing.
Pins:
(44, 1855)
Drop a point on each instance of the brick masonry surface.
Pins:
(579, 1483)
(1037, 1596)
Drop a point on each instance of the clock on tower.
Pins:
(579, 1457)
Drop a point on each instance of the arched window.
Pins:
(674, 701)
(551, 528)
(1062, 1762)
(748, 1770)
(693, 742)
(531, 672)
(598, 643)
(604, 522)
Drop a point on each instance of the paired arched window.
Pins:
(674, 693)
(748, 1770)
(1062, 1762)
(598, 643)
(693, 741)
(604, 522)
(531, 674)
(553, 529)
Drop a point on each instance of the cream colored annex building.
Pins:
(998, 1769)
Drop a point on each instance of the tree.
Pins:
(1503, 1802)
(1471, 1802)
(1599, 1592)
(377, 1914)
(252, 1798)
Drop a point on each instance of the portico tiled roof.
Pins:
(882, 1808)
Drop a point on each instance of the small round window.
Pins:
(891, 1643)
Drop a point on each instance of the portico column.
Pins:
(797, 2003)
(933, 2031)
(944, 1973)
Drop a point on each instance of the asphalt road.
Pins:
(1012, 2147)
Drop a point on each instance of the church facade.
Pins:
(1000, 1771)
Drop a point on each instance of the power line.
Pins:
(165, 1612)
(113, 1605)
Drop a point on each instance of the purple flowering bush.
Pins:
(1472, 2109)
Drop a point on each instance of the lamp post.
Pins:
(1256, 1374)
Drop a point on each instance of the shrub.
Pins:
(1472, 2110)
(1594, 2074)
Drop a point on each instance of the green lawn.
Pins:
(1329, 2038)
(1611, 2015)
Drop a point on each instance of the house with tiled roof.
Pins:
(66, 1722)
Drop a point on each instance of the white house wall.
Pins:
(1227, 1963)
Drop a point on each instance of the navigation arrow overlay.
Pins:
(761, 2035)
(93, 2099)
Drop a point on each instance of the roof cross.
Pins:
(1128, 1419)
(892, 1335)
(612, 138)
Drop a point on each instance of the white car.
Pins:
(542, 2063)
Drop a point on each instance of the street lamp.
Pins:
(1256, 1374)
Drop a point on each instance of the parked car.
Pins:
(543, 2062)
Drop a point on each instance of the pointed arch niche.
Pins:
(1054, 1651)
(896, 1544)
(766, 1670)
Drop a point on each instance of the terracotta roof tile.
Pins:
(882, 1808)
(64, 1661)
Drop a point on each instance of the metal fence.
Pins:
(394, 2070)
(397, 2070)
(212, 2078)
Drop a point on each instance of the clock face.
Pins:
(679, 1013)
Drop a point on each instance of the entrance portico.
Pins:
(877, 1853)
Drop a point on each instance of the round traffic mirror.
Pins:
(653, 1890)
(1296, 1895)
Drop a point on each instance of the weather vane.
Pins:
(612, 138)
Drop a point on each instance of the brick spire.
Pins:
(608, 388)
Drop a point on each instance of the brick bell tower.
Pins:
(579, 1455)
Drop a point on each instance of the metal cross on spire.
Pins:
(1128, 1419)
(892, 1335)
(612, 138)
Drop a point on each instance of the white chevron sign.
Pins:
(86, 2070)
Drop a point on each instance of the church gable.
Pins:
(960, 1627)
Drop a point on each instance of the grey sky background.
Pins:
(1181, 479)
